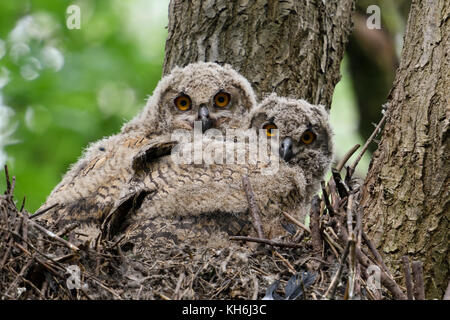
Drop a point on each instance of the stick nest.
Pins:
(332, 258)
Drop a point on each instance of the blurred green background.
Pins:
(61, 89)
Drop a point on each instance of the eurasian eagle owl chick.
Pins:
(306, 136)
(216, 95)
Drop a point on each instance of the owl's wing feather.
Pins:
(151, 152)
(132, 191)
(92, 186)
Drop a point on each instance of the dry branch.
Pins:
(419, 288)
(329, 294)
(368, 142)
(295, 221)
(316, 238)
(408, 279)
(269, 242)
(346, 157)
(254, 209)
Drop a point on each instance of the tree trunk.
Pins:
(406, 193)
(293, 48)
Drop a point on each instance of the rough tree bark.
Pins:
(406, 193)
(293, 48)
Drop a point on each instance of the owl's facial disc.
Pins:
(213, 107)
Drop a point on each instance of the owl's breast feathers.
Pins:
(189, 191)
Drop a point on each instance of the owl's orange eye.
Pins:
(270, 127)
(183, 102)
(308, 137)
(222, 99)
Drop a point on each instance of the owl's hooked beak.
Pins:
(286, 149)
(203, 116)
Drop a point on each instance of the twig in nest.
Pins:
(256, 288)
(331, 243)
(342, 189)
(41, 212)
(11, 241)
(253, 206)
(66, 230)
(419, 290)
(366, 145)
(55, 263)
(358, 235)
(117, 242)
(347, 156)
(350, 216)
(24, 227)
(386, 280)
(326, 199)
(53, 236)
(13, 285)
(269, 242)
(352, 256)
(28, 282)
(65, 258)
(295, 221)
(408, 280)
(101, 284)
(316, 238)
(358, 229)
(329, 232)
(290, 267)
(375, 252)
(8, 183)
(177, 288)
(329, 294)
(44, 287)
(335, 200)
(42, 262)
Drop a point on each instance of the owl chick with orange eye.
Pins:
(305, 136)
(217, 96)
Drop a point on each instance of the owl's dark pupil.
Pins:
(183, 102)
(221, 99)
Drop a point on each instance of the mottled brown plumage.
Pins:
(201, 204)
(90, 188)
(295, 119)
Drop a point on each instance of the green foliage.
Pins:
(71, 87)
(345, 122)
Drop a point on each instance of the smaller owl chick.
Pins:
(306, 136)
(217, 96)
